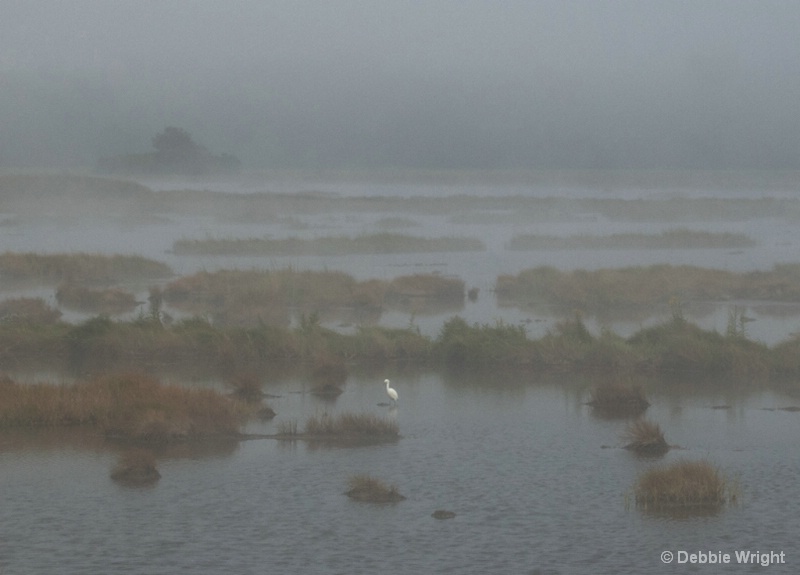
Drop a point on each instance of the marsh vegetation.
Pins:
(645, 286)
(684, 484)
(81, 268)
(131, 407)
(618, 398)
(351, 427)
(136, 467)
(372, 490)
(380, 243)
(645, 438)
(679, 238)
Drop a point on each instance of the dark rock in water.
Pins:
(442, 514)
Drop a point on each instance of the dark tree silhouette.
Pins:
(175, 153)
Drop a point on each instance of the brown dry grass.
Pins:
(683, 484)
(128, 406)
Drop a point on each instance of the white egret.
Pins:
(390, 392)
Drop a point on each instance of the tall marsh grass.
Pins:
(127, 406)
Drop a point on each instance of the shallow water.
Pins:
(521, 461)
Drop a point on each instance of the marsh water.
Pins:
(538, 482)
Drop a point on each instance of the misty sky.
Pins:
(401, 83)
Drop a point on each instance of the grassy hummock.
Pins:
(370, 489)
(684, 484)
(136, 467)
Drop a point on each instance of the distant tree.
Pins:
(175, 153)
(176, 142)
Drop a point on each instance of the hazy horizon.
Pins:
(392, 84)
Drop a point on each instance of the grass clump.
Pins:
(352, 426)
(645, 438)
(619, 399)
(136, 467)
(370, 489)
(685, 484)
(461, 344)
